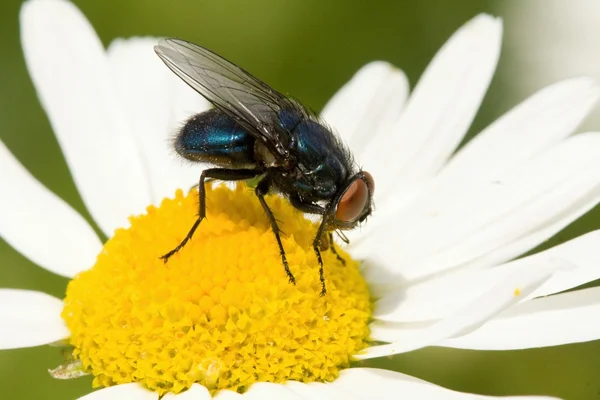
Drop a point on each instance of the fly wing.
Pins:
(246, 99)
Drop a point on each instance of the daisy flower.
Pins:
(436, 265)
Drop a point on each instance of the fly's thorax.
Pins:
(322, 164)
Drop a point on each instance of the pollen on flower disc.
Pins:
(221, 312)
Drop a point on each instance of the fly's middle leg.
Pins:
(223, 174)
(261, 190)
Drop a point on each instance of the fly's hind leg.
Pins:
(261, 190)
(223, 174)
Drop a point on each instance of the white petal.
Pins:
(319, 391)
(523, 133)
(196, 392)
(495, 214)
(127, 391)
(158, 103)
(531, 240)
(439, 111)
(30, 319)
(70, 71)
(368, 104)
(529, 129)
(446, 294)
(40, 225)
(582, 253)
(548, 321)
(270, 391)
(507, 292)
(371, 383)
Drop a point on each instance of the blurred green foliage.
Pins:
(308, 48)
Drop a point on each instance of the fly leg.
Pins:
(312, 208)
(333, 250)
(261, 190)
(316, 248)
(223, 174)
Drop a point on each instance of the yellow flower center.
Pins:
(221, 312)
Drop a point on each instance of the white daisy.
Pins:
(436, 253)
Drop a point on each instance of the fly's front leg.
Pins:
(317, 249)
(312, 208)
(261, 190)
(223, 174)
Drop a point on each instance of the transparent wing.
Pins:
(251, 102)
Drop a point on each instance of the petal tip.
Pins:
(485, 19)
(144, 42)
(485, 24)
(39, 18)
(32, 6)
(383, 69)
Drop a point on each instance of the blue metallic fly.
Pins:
(256, 132)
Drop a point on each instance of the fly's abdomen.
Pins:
(213, 137)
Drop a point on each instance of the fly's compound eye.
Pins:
(355, 199)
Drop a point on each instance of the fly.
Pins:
(256, 132)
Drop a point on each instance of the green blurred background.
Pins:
(308, 48)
